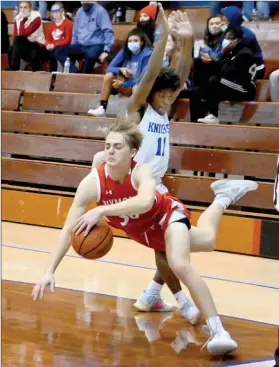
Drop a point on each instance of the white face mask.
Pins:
(214, 31)
(25, 13)
(224, 27)
(226, 43)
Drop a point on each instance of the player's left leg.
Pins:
(151, 300)
(177, 239)
(226, 192)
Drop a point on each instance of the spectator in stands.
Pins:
(236, 81)
(264, 9)
(59, 33)
(5, 43)
(146, 22)
(208, 52)
(126, 69)
(274, 85)
(42, 6)
(247, 8)
(92, 39)
(233, 17)
(29, 39)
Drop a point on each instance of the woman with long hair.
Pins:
(208, 52)
(126, 69)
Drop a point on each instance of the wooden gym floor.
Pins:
(90, 321)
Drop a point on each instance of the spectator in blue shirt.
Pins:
(208, 51)
(92, 39)
(234, 17)
(126, 69)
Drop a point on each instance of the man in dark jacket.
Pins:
(234, 17)
(236, 81)
(4, 34)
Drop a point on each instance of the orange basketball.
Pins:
(96, 244)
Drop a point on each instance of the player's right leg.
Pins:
(177, 239)
(151, 300)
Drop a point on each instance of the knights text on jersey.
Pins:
(147, 228)
(155, 148)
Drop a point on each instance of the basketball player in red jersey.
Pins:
(125, 192)
(151, 100)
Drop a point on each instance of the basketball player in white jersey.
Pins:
(152, 100)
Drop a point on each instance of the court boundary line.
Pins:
(206, 276)
(134, 299)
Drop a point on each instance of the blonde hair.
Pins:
(128, 127)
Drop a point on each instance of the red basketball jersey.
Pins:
(147, 228)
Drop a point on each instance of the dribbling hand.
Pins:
(87, 221)
(48, 279)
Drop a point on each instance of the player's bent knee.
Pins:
(108, 76)
(210, 242)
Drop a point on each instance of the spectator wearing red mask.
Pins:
(59, 33)
(29, 39)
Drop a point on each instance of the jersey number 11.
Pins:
(161, 147)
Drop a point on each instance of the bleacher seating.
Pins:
(52, 153)
(26, 80)
(10, 99)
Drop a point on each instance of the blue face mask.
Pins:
(134, 47)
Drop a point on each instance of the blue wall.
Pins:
(8, 4)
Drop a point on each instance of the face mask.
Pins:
(134, 47)
(226, 43)
(144, 22)
(214, 31)
(25, 13)
(224, 27)
(87, 7)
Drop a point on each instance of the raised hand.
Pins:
(180, 25)
(162, 21)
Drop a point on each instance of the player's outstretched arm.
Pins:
(139, 97)
(181, 29)
(86, 192)
(141, 203)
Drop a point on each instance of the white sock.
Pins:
(214, 324)
(181, 298)
(223, 200)
(154, 288)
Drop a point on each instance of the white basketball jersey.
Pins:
(155, 148)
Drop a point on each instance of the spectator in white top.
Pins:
(29, 39)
